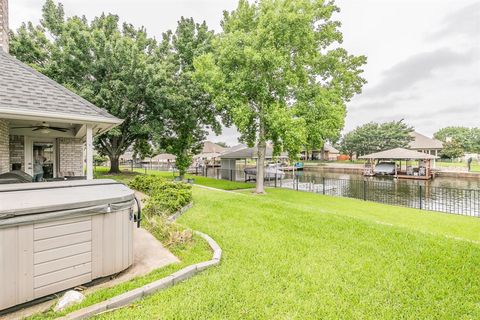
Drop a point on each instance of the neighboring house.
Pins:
(158, 159)
(161, 158)
(422, 143)
(126, 157)
(40, 118)
(327, 153)
(210, 151)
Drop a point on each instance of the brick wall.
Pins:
(70, 153)
(4, 146)
(17, 150)
(4, 25)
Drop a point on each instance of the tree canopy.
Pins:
(119, 68)
(374, 137)
(279, 74)
(459, 140)
(102, 61)
(452, 150)
(186, 109)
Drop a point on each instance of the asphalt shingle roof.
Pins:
(423, 142)
(24, 89)
(399, 153)
(244, 152)
(210, 147)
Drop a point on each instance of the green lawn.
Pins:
(475, 167)
(295, 255)
(199, 251)
(102, 172)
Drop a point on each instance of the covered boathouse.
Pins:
(408, 164)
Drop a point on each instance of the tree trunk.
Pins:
(114, 165)
(182, 164)
(181, 174)
(261, 148)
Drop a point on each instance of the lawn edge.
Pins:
(131, 296)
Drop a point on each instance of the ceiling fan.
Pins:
(44, 128)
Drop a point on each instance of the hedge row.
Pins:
(165, 196)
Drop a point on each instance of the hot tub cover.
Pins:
(38, 201)
(16, 176)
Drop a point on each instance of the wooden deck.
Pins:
(404, 176)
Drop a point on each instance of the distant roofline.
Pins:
(430, 143)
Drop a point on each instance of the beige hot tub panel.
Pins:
(45, 257)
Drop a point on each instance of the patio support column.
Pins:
(89, 152)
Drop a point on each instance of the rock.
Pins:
(69, 298)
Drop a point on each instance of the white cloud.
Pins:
(423, 55)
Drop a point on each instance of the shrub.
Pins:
(145, 183)
(165, 198)
(170, 234)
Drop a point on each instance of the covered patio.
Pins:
(408, 164)
(45, 128)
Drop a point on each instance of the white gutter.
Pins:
(56, 117)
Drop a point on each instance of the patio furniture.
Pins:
(409, 171)
(422, 171)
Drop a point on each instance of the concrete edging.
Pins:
(148, 289)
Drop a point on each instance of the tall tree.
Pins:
(102, 61)
(475, 140)
(374, 137)
(279, 74)
(467, 139)
(189, 112)
(452, 150)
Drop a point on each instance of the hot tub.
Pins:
(58, 235)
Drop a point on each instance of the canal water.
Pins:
(445, 194)
(439, 181)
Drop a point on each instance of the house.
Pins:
(162, 158)
(424, 144)
(48, 130)
(326, 153)
(210, 151)
(40, 119)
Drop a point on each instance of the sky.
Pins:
(423, 55)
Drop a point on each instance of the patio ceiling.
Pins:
(73, 130)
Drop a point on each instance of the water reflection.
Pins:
(445, 194)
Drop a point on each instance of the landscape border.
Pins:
(155, 286)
